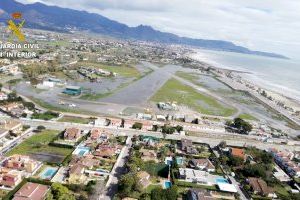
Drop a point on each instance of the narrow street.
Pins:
(118, 169)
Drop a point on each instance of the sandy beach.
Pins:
(289, 107)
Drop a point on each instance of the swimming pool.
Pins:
(221, 180)
(167, 184)
(179, 160)
(48, 173)
(81, 151)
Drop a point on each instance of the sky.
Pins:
(264, 25)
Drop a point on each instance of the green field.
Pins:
(125, 71)
(72, 119)
(39, 143)
(247, 117)
(174, 91)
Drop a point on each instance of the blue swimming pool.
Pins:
(221, 180)
(81, 151)
(48, 173)
(179, 160)
(167, 184)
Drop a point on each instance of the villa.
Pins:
(32, 191)
(87, 161)
(21, 163)
(144, 178)
(285, 160)
(12, 126)
(202, 194)
(260, 187)
(72, 134)
(205, 178)
(187, 147)
(236, 152)
(148, 155)
(11, 106)
(76, 174)
(99, 135)
(10, 179)
(202, 164)
(114, 122)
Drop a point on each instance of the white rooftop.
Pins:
(226, 187)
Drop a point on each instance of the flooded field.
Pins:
(245, 103)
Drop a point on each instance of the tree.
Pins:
(61, 192)
(179, 128)
(222, 144)
(168, 129)
(128, 184)
(1, 85)
(29, 105)
(155, 127)
(161, 194)
(235, 161)
(137, 125)
(12, 96)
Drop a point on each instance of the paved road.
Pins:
(111, 186)
(211, 139)
(139, 92)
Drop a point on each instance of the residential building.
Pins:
(285, 160)
(72, 134)
(187, 147)
(199, 194)
(76, 174)
(32, 191)
(144, 178)
(105, 151)
(21, 163)
(3, 96)
(236, 152)
(260, 187)
(202, 164)
(12, 126)
(87, 161)
(10, 179)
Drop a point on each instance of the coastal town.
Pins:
(101, 118)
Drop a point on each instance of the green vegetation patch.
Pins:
(246, 116)
(39, 143)
(48, 115)
(73, 119)
(173, 90)
(123, 70)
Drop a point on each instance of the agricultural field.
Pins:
(38, 146)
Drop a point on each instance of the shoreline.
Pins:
(286, 106)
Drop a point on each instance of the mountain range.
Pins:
(41, 16)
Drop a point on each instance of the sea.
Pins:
(278, 75)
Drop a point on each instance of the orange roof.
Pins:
(238, 152)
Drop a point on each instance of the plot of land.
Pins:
(185, 95)
(125, 71)
(73, 119)
(38, 147)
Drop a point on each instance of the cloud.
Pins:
(269, 25)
